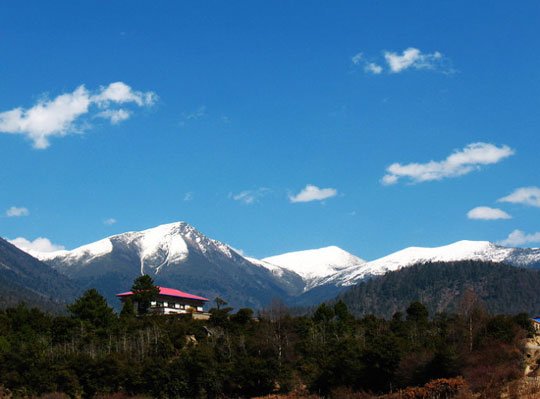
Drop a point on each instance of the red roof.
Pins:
(170, 292)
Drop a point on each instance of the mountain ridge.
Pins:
(177, 254)
(446, 287)
(24, 278)
(174, 254)
(460, 250)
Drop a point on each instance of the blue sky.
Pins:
(271, 125)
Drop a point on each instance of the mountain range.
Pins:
(180, 256)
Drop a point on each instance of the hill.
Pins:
(441, 286)
(26, 279)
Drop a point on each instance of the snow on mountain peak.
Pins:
(315, 263)
(460, 250)
(156, 247)
(92, 250)
(171, 244)
(160, 245)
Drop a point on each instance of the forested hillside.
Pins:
(93, 353)
(24, 278)
(444, 286)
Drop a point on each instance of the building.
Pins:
(536, 324)
(171, 301)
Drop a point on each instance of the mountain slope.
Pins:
(461, 250)
(315, 266)
(441, 285)
(178, 255)
(175, 255)
(24, 278)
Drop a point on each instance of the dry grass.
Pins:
(525, 388)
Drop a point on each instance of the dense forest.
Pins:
(441, 286)
(93, 352)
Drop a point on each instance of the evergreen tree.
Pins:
(342, 311)
(219, 302)
(92, 308)
(144, 292)
(128, 310)
(324, 313)
(417, 313)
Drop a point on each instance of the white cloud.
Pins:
(357, 58)
(524, 195)
(518, 237)
(313, 193)
(373, 68)
(47, 118)
(409, 58)
(487, 213)
(412, 58)
(15, 212)
(461, 162)
(115, 116)
(369, 67)
(389, 179)
(249, 197)
(120, 93)
(110, 221)
(40, 244)
(61, 116)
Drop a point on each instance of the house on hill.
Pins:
(171, 301)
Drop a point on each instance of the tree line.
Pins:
(92, 351)
(441, 285)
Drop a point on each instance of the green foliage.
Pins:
(220, 317)
(417, 313)
(128, 310)
(144, 292)
(442, 286)
(501, 328)
(243, 316)
(219, 302)
(342, 312)
(235, 355)
(93, 309)
(323, 314)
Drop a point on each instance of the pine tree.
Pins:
(144, 292)
(128, 310)
(92, 308)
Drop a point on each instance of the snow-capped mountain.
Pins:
(176, 255)
(461, 250)
(315, 266)
(161, 246)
